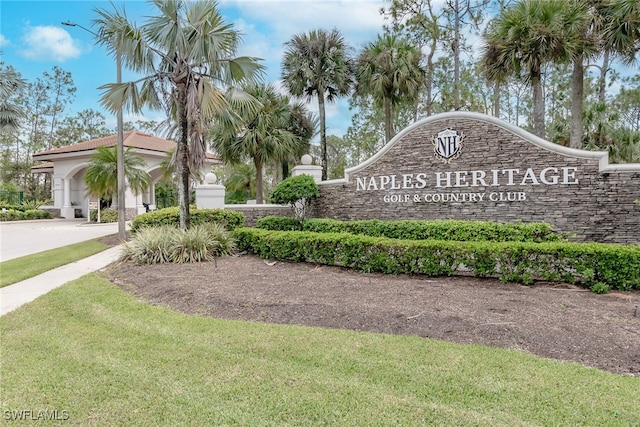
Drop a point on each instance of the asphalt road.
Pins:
(20, 238)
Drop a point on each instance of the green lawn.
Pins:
(18, 269)
(92, 350)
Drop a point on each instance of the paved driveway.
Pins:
(20, 238)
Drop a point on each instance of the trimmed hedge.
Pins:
(19, 215)
(423, 230)
(592, 265)
(106, 215)
(171, 216)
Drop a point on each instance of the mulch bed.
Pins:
(556, 321)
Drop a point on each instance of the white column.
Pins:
(57, 190)
(67, 211)
(66, 193)
(152, 194)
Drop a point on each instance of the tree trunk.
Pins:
(429, 77)
(183, 157)
(258, 165)
(577, 97)
(496, 99)
(323, 133)
(456, 58)
(602, 81)
(388, 123)
(497, 86)
(538, 104)
(602, 86)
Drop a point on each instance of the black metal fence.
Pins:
(165, 199)
(11, 197)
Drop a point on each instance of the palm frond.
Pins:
(211, 99)
(121, 95)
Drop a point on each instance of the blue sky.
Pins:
(33, 40)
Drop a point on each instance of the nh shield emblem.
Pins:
(447, 144)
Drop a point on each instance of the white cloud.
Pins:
(267, 24)
(254, 42)
(274, 22)
(49, 43)
(358, 20)
(4, 41)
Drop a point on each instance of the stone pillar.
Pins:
(210, 195)
(306, 168)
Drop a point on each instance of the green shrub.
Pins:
(11, 215)
(423, 230)
(36, 214)
(171, 216)
(278, 223)
(297, 192)
(106, 215)
(20, 208)
(600, 288)
(616, 266)
(23, 214)
(167, 243)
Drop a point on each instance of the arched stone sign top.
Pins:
(464, 165)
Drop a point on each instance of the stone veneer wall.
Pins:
(254, 212)
(55, 212)
(599, 208)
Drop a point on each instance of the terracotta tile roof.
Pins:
(42, 166)
(133, 139)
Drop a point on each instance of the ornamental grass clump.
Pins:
(202, 242)
(165, 244)
(152, 245)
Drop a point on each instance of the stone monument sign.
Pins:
(469, 166)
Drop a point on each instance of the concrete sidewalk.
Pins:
(13, 296)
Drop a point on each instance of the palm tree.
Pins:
(263, 136)
(185, 54)
(304, 124)
(102, 175)
(622, 32)
(389, 69)
(528, 35)
(582, 40)
(241, 182)
(618, 22)
(318, 64)
(11, 83)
